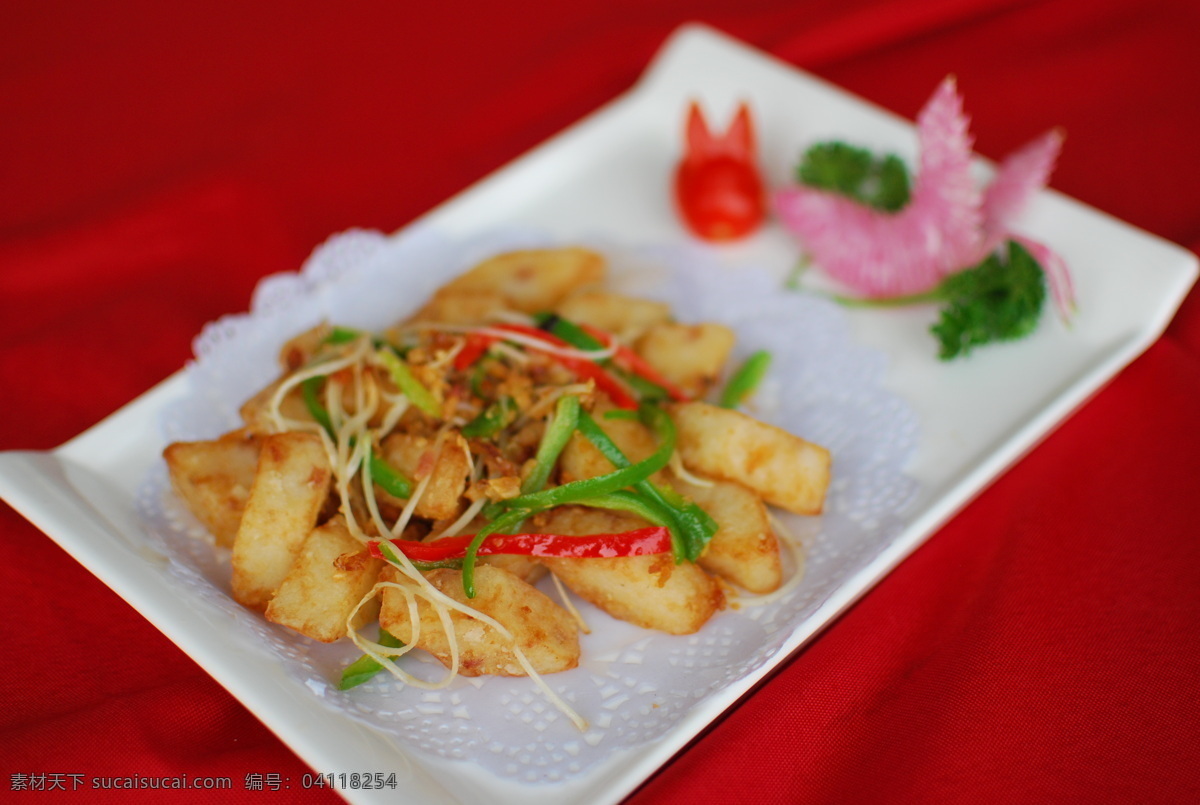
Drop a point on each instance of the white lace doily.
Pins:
(632, 685)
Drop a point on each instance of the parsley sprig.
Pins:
(997, 300)
(880, 182)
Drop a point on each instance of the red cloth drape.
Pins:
(157, 159)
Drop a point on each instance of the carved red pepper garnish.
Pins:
(718, 189)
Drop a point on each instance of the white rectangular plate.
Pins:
(608, 176)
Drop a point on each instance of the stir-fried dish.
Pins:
(524, 423)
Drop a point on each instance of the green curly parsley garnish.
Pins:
(880, 182)
(993, 301)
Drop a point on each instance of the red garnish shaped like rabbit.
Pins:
(717, 186)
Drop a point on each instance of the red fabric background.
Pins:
(157, 159)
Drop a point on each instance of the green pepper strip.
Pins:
(575, 491)
(626, 501)
(655, 508)
(407, 382)
(555, 438)
(691, 527)
(579, 338)
(697, 527)
(646, 389)
(600, 486)
(515, 510)
(366, 666)
(449, 564)
(382, 473)
(568, 331)
(506, 521)
(478, 373)
(491, 419)
(342, 335)
(746, 379)
(387, 478)
(309, 388)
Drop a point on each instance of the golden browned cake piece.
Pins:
(650, 591)
(744, 550)
(214, 479)
(290, 488)
(626, 317)
(416, 457)
(689, 355)
(532, 280)
(721, 443)
(543, 631)
(319, 593)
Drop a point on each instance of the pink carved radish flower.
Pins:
(945, 239)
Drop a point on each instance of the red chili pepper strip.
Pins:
(473, 350)
(639, 542)
(603, 380)
(583, 368)
(630, 361)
